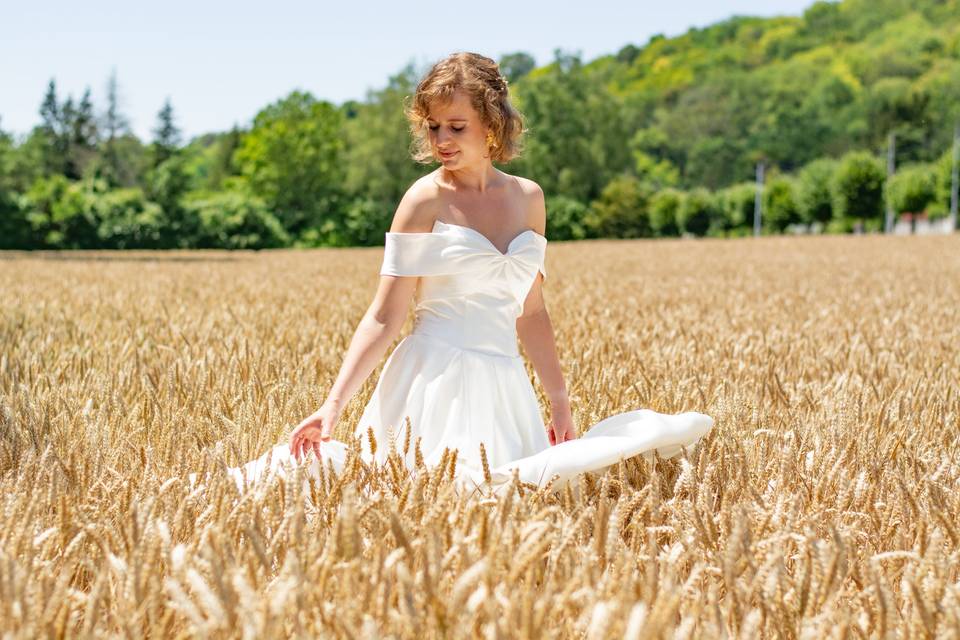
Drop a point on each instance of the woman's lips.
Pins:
(447, 156)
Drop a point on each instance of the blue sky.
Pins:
(221, 62)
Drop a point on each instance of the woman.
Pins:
(467, 245)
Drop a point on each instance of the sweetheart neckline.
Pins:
(487, 240)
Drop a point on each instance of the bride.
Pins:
(467, 245)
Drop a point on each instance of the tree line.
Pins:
(655, 140)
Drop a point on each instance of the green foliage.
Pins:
(291, 159)
(516, 65)
(58, 212)
(698, 212)
(621, 209)
(366, 221)
(912, 189)
(943, 171)
(234, 220)
(574, 144)
(167, 185)
(15, 230)
(736, 205)
(814, 198)
(377, 152)
(661, 138)
(565, 218)
(664, 209)
(125, 219)
(780, 204)
(857, 187)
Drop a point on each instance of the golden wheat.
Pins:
(824, 503)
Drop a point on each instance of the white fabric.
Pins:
(461, 380)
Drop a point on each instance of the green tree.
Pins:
(698, 212)
(516, 65)
(59, 214)
(780, 204)
(52, 134)
(565, 218)
(737, 204)
(621, 209)
(664, 211)
(377, 157)
(234, 220)
(114, 126)
(292, 159)
(814, 198)
(912, 189)
(857, 187)
(575, 143)
(167, 135)
(125, 219)
(14, 228)
(168, 182)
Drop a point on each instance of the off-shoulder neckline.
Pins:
(473, 231)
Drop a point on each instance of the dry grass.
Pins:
(823, 504)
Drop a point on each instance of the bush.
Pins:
(736, 206)
(366, 221)
(698, 212)
(780, 204)
(15, 230)
(565, 218)
(235, 220)
(621, 209)
(857, 187)
(814, 198)
(944, 181)
(126, 219)
(664, 208)
(912, 188)
(58, 212)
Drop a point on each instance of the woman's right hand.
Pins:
(312, 430)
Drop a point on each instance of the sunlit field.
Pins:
(824, 502)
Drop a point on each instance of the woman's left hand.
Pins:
(560, 428)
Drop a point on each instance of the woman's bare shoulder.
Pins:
(417, 210)
(529, 187)
(534, 203)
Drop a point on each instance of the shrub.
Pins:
(235, 220)
(857, 187)
(664, 208)
(814, 198)
(565, 218)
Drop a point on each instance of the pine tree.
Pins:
(82, 131)
(114, 125)
(53, 130)
(167, 139)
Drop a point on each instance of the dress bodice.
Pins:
(470, 292)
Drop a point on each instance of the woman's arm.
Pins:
(377, 329)
(535, 331)
(536, 334)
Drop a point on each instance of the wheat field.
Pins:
(823, 504)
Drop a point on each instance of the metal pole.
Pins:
(955, 178)
(891, 167)
(758, 200)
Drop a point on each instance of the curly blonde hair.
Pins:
(480, 77)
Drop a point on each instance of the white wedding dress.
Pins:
(460, 379)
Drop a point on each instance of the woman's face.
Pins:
(457, 136)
